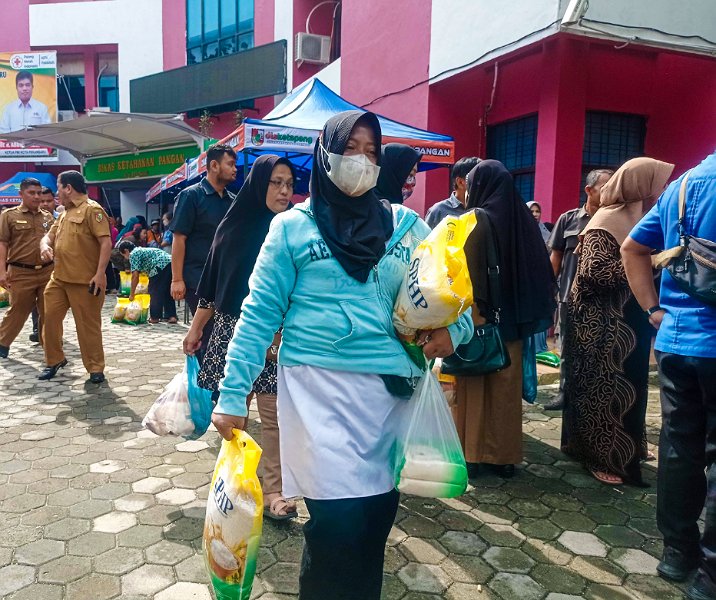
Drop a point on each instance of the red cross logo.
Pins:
(17, 62)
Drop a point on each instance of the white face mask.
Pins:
(353, 175)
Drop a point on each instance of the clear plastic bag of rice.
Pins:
(234, 518)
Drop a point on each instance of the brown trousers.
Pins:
(27, 287)
(271, 456)
(488, 413)
(87, 312)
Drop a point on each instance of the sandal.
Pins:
(649, 457)
(275, 511)
(607, 478)
(172, 320)
(153, 321)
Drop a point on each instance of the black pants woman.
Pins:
(162, 305)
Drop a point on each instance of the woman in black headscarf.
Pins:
(330, 271)
(224, 284)
(398, 166)
(489, 412)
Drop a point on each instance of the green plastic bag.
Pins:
(429, 458)
(548, 358)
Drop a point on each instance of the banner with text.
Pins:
(28, 96)
(150, 163)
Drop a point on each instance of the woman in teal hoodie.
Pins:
(329, 273)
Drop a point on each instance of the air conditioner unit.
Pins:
(314, 49)
(66, 115)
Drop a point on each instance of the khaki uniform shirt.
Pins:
(22, 231)
(77, 232)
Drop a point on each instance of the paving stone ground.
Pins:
(92, 507)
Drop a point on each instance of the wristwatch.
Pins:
(652, 310)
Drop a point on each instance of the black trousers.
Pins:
(345, 546)
(161, 303)
(687, 453)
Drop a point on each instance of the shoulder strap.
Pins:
(664, 258)
(682, 203)
(493, 267)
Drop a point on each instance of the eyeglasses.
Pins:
(278, 184)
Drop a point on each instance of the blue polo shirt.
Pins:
(689, 325)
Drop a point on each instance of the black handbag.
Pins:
(692, 264)
(485, 353)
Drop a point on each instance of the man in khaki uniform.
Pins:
(80, 244)
(22, 272)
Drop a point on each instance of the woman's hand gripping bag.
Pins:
(437, 287)
(234, 518)
(429, 460)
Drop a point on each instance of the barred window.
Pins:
(514, 144)
(610, 139)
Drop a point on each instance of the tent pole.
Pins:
(246, 164)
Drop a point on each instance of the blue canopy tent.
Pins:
(10, 189)
(292, 128)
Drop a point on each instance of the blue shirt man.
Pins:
(686, 354)
(688, 326)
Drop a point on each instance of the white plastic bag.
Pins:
(430, 461)
(171, 414)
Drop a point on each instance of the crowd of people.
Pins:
(292, 306)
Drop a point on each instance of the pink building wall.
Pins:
(16, 33)
(173, 34)
(388, 54)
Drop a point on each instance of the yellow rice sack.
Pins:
(437, 287)
(234, 518)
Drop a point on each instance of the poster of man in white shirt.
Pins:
(26, 110)
(28, 99)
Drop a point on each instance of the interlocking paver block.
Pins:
(422, 551)
(94, 587)
(107, 466)
(36, 591)
(176, 496)
(281, 578)
(91, 544)
(634, 561)
(114, 522)
(66, 529)
(192, 446)
(39, 552)
(510, 560)
(185, 591)
(65, 569)
(501, 535)
(15, 577)
(463, 542)
(424, 578)
(167, 553)
(151, 485)
(511, 586)
(140, 536)
(118, 561)
(585, 544)
(147, 580)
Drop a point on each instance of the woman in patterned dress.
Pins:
(609, 343)
(224, 284)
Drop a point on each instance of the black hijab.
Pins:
(526, 276)
(397, 160)
(354, 229)
(238, 239)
